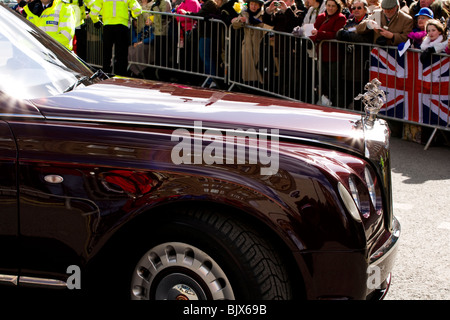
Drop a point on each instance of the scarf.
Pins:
(426, 43)
(252, 17)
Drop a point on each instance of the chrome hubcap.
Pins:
(178, 271)
(178, 286)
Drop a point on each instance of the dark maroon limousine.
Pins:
(150, 190)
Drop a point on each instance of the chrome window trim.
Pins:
(31, 281)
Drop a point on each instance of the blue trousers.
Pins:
(204, 47)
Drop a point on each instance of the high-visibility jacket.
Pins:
(80, 12)
(115, 11)
(58, 21)
(89, 4)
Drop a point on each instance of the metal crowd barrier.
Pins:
(94, 45)
(188, 44)
(280, 65)
(331, 73)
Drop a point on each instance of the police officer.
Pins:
(115, 31)
(80, 27)
(54, 17)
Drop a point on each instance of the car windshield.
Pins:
(9, 3)
(31, 64)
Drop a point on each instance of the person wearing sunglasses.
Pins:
(359, 12)
(354, 73)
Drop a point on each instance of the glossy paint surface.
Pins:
(8, 200)
(138, 101)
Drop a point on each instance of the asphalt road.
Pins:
(421, 193)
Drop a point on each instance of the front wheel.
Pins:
(179, 271)
(208, 256)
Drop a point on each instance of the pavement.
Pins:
(421, 194)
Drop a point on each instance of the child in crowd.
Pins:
(418, 33)
(435, 41)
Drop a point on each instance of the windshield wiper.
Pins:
(98, 74)
(76, 84)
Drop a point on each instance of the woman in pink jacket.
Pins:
(187, 6)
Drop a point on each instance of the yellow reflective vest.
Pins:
(58, 21)
(115, 11)
(80, 12)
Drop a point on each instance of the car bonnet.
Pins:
(141, 102)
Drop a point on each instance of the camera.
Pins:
(277, 4)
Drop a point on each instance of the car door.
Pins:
(43, 215)
(57, 216)
(68, 200)
(8, 205)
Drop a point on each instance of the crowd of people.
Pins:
(420, 24)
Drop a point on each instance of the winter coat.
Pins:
(286, 21)
(141, 20)
(356, 55)
(227, 12)
(209, 9)
(190, 6)
(312, 13)
(430, 47)
(251, 45)
(400, 25)
(436, 6)
(439, 44)
(160, 21)
(327, 27)
(283, 22)
(416, 37)
(348, 34)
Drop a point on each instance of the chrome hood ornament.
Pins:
(373, 100)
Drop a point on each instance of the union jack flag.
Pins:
(414, 91)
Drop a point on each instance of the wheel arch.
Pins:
(164, 213)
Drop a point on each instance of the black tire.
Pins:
(242, 265)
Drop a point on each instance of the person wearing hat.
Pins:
(416, 36)
(390, 25)
(437, 6)
(251, 16)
